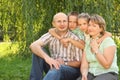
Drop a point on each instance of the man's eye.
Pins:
(64, 21)
(58, 21)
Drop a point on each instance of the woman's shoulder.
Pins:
(108, 42)
(109, 39)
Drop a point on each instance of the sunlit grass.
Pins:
(7, 48)
(13, 67)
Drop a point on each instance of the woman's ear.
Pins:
(101, 29)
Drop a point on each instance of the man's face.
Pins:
(60, 22)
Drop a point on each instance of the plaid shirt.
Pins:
(57, 49)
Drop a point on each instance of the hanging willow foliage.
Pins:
(26, 20)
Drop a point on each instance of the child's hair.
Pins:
(97, 19)
(73, 13)
(86, 16)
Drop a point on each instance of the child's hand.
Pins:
(65, 41)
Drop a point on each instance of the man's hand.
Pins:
(61, 61)
(53, 63)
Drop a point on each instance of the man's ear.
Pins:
(53, 24)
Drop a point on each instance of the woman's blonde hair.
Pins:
(97, 19)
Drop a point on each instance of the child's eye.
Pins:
(94, 26)
(79, 24)
(84, 23)
(88, 24)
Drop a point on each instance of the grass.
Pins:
(13, 67)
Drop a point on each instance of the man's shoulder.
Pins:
(46, 36)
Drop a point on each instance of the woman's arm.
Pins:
(84, 67)
(105, 58)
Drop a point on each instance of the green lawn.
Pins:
(13, 67)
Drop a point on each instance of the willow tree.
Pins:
(27, 20)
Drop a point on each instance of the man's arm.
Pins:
(69, 63)
(73, 63)
(36, 48)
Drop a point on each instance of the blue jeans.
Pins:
(38, 67)
(64, 73)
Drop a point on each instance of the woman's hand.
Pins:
(84, 77)
(94, 46)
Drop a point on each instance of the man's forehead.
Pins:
(59, 16)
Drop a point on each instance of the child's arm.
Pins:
(107, 34)
(63, 41)
(53, 33)
(80, 44)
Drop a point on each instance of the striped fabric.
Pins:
(57, 49)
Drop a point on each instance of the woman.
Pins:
(99, 60)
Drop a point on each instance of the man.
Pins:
(64, 62)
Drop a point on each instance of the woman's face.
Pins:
(83, 24)
(94, 29)
(72, 22)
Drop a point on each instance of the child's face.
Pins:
(72, 22)
(83, 24)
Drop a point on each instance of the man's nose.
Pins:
(62, 23)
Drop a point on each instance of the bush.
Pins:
(117, 40)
